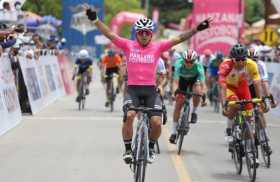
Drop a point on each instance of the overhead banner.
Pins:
(226, 27)
(43, 81)
(274, 82)
(10, 113)
(78, 30)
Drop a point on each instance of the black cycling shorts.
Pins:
(186, 84)
(110, 71)
(145, 96)
(252, 91)
(81, 70)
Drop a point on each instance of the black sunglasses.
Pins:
(240, 59)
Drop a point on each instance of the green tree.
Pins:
(44, 7)
(254, 10)
(113, 7)
(172, 11)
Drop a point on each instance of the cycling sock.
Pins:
(127, 144)
(174, 128)
(194, 109)
(152, 144)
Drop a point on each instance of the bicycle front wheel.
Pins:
(141, 163)
(237, 157)
(112, 99)
(140, 171)
(83, 101)
(180, 140)
(250, 155)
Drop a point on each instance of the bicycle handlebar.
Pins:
(243, 102)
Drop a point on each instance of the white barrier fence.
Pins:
(274, 82)
(10, 113)
(43, 81)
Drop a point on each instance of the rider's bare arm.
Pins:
(257, 86)
(105, 30)
(265, 87)
(188, 34)
(183, 37)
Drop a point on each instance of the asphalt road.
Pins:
(62, 144)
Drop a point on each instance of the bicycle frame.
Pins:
(245, 138)
(142, 132)
(140, 144)
(82, 90)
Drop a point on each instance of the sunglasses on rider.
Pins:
(189, 61)
(240, 59)
(144, 32)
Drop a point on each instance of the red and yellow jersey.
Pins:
(229, 76)
(111, 62)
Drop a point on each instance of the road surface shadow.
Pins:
(229, 176)
(184, 153)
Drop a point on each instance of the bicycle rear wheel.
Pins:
(265, 155)
(263, 144)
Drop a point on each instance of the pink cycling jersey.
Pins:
(142, 61)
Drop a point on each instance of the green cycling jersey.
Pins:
(189, 73)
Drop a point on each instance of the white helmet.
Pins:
(189, 55)
(63, 40)
(83, 54)
(144, 24)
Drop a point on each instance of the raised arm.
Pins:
(104, 29)
(188, 34)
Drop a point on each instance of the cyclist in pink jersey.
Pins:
(141, 59)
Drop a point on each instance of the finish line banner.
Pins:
(43, 81)
(225, 28)
(10, 113)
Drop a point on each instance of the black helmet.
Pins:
(219, 55)
(238, 51)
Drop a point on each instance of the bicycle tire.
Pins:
(265, 155)
(181, 139)
(182, 126)
(141, 164)
(250, 157)
(157, 147)
(237, 157)
(80, 105)
(83, 103)
(112, 97)
(81, 96)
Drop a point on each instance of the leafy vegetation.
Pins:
(44, 7)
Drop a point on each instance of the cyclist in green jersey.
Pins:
(189, 74)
